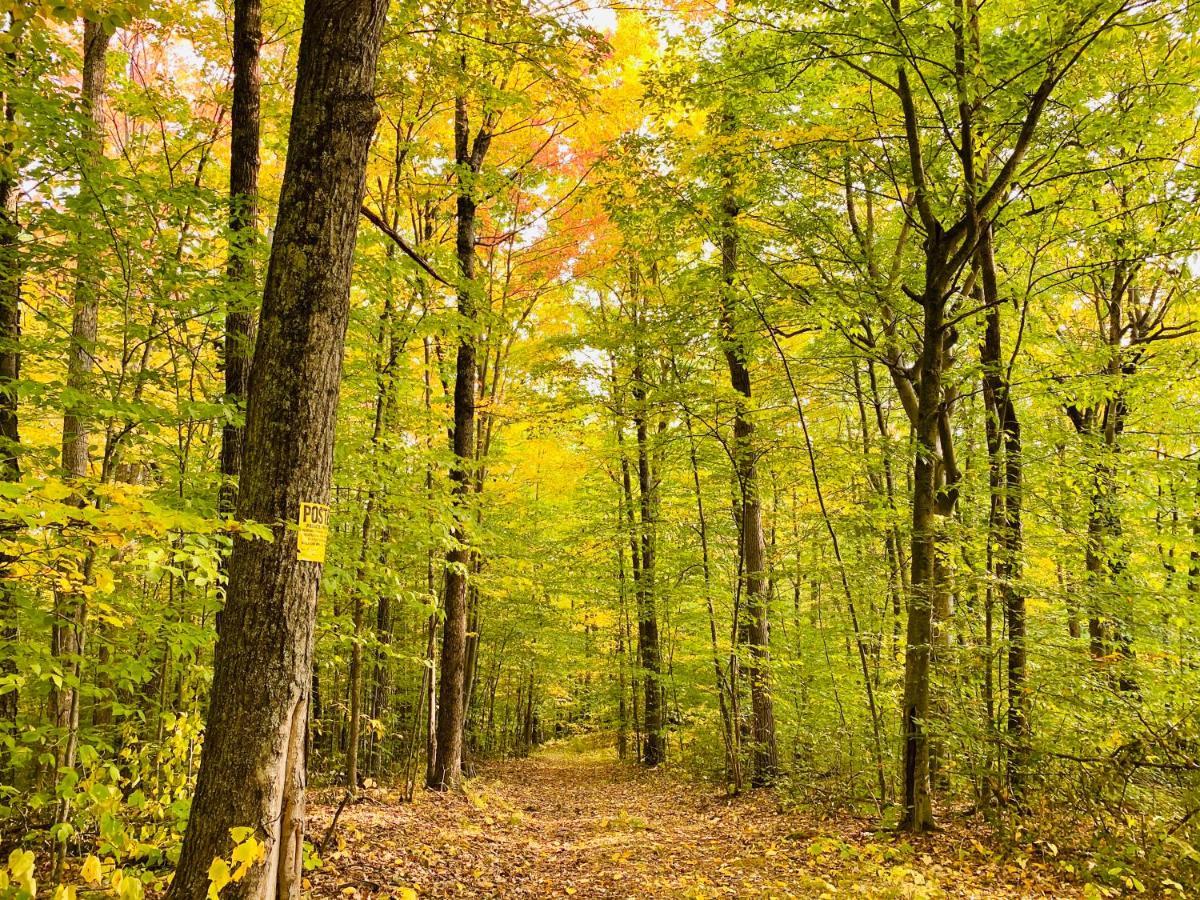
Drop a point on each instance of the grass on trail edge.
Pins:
(586, 826)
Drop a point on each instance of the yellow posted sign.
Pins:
(313, 533)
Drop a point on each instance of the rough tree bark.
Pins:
(252, 771)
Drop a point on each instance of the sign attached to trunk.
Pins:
(313, 533)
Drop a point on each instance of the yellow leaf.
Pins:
(104, 581)
(245, 855)
(131, 889)
(90, 871)
(218, 877)
(56, 490)
(20, 863)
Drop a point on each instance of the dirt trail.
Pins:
(588, 827)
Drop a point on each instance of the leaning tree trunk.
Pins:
(243, 216)
(252, 772)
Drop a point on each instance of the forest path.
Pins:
(586, 826)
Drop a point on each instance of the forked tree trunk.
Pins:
(252, 771)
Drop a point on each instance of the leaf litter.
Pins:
(582, 826)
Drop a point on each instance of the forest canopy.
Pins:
(799, 399)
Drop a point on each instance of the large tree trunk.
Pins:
(252, 771)
(243, 216)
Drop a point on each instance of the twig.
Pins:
(408, 251)
(333, 824)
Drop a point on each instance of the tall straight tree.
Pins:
(76, 435)
(243, 216)
(10, 372)
(1006, 479)
(755, 576)
(654, 747)
(252, 772)
(70, 606)
(469, 153)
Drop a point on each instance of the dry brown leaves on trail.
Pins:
(587, 827)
